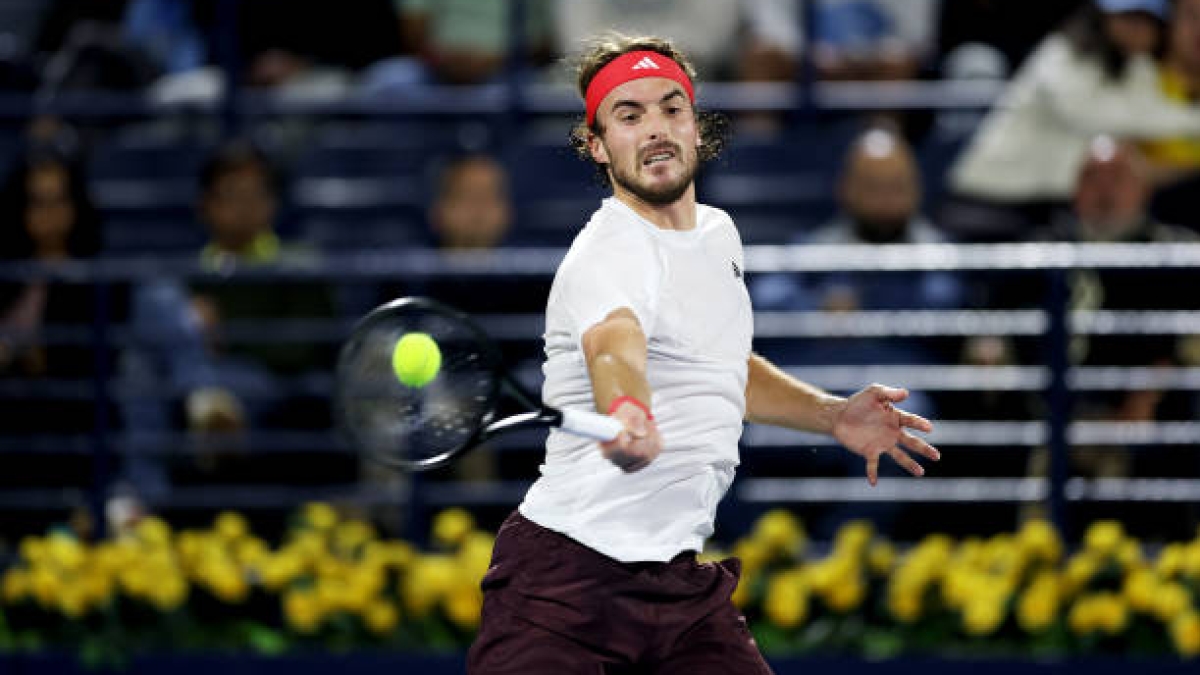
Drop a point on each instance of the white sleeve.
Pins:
(615, 272)
(1078, 94)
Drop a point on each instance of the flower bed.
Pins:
(333, 584)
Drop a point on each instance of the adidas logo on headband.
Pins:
(645, 63)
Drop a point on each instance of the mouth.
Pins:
(658, 154)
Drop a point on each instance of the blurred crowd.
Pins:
(1095, 138)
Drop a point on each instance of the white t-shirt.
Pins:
(687, 291)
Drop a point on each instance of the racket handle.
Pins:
(591, 425)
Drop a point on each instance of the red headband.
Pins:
(633, 66)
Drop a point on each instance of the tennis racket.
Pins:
(417, 428)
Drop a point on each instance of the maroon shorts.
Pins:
(553, 606)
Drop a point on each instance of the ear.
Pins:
(596, 147)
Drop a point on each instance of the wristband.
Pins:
(612, 407)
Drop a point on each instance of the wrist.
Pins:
(831, 409)
(622, 400)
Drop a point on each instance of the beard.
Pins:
(658, 195)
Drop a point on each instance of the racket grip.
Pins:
(591, 425)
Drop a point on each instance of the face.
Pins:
(881, 190)
(1184, 48)
(1110, 198)
(1132, 32)
(473, 210)
(648, 139)
(50, 214)
(239, 206)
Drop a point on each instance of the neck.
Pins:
(678, 215)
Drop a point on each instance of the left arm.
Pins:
(867, 423)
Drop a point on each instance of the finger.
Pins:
(919, 446)
(873, 470)
(915, 422)
(906, 461)
(893, 394)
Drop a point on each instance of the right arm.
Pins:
(615, 350)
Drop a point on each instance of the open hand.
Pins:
(870, 426)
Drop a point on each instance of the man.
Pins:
(648, 320)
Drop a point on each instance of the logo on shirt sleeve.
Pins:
(737, 271)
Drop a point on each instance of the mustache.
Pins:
(659, 147)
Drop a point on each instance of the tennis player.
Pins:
(649, 321)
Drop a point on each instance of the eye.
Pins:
(628, 117)
(674, 110)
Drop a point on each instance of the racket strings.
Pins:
(405, 424)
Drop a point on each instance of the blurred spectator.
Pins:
(1175, 161)
(750, 40)
(48, 218)
(1097, 74)
(473, 210)
(467, 41)
(238, 204)
(879, 194)
(872, 39)
(48, 350)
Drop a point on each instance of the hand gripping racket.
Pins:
(416, 428)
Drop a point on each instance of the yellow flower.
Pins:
(153, 531)
(853, 537)
(1037, 608)
(16, 585)
(1171, 601)
(395, 555)
(742, 594)
(753, 554)
(65, 552)
(451, 526)
(230, 526)
(72, 601)
(1082, 617)
(1129, 554)
(169, 592)
(97, 586)
(1080, 570)
(1102, 611)
(33, 550)
(983, 614)
(225, 581)
(1185, 633)
(302, 610)
(1103, 537)
(319, 516)
(251, 551)
(1040, 541)
(1170, 560)
(1140, 589)
(1112, 614)
(881, 558)
(1191, 560)
(427, 581)
(779, 532)
(350, 535)
(475, 556)
(847, 595)
(135, 581)
(279, 570)
(381, 617)
(904, 605)
(463, 605)
(786, 602)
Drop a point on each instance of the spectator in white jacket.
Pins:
(1098, 74)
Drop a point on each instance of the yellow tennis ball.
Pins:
(416, 359)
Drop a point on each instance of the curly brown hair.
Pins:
(601, 50)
